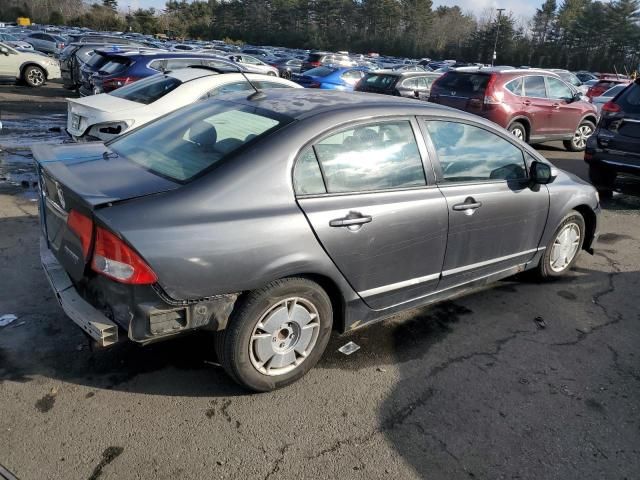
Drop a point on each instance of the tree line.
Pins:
(575, 34)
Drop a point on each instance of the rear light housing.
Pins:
(82, 226)
(611, 107)
(315, 64)
(493, 96)
(116, 260)
(117, 82)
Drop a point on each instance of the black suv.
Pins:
(615, 146)
(400, 84)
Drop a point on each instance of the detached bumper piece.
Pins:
(83, 314)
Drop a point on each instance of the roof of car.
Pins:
(302, 103)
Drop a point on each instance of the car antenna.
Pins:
(257, 95)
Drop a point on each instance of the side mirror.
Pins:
(541, 173)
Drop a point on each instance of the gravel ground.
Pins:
(476, 388)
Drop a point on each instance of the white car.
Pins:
(105, 116)
(254, 64)
(31, 67)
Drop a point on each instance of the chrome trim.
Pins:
(395, 286)
(620, 164)
(485, 263)
(57, 209)
(630, 120)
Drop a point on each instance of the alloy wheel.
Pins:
(284, 336)
(565, 247)
(517, 132)
(36, 77)
(580, 137)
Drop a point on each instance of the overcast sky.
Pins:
(519, 8)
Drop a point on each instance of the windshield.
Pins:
(147, 90)
(190, 141)
(320, 71)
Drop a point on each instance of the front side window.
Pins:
(469, 154)
(534, 87)
(147, 90)
(377, 156)
(558, 90)
(191, 140)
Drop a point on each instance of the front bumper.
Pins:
(83, 314)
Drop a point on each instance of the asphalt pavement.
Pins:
(521, 380)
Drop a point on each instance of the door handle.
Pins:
(469, 204)
(526, 103)
(556, 105)
(352, 219)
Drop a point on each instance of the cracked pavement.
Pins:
(473, 388)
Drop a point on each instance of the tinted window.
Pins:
(97, 60)
(307, 178)
(175, 63)
(320, 71)
(114, 65)
(534, 87)
(410, 83)
(515, 86)
(371, 157)
(466, 83)
(379, 80)
(147, 90)
(185, 143)
(630, 99)
(558, 90)
(468, 153)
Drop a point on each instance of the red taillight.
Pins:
(315, 64)
(115, 259)
(611, 107)
(117, 82)
(83, 227)
(492, 96)
(314, 85)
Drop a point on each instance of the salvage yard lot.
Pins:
(521, 380)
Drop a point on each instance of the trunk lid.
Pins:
(83, 178)
(89, 110)
(461, 90)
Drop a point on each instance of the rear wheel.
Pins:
(562, 251)
(603, 179)
(580, 136)
(517, 130)
(34, 76)
(276, 334)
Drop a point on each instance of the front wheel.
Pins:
(276, 334)
(562, 251)
(580, 136)
(34, 76)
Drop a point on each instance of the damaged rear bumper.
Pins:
(87, 317)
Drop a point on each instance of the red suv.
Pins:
(535, 106)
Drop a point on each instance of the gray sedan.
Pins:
(275, 218)
(607, 96)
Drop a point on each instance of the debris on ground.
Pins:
(380, 369)
(540, 322)
(6, 319)
(349, 348)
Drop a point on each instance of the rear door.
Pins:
(364, 192)
(496, 219)
(536, 102)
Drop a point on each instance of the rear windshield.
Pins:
(115, 65)
(147, 90)
(97, 60)
(629, 100)
(320, 71)
(465, 83)
(190, 141)
(379, 80)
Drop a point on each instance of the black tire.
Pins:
(234, 346)
(603, 179)
(579, 141)
(34, 76)
(517, 130)
(545, 270)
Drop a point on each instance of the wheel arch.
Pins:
(525, 123)
(31, 63)
(590, 221)
(590, 117)
(338, 303)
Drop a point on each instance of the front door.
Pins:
(566, 113)
(540, 108)
(496, 218)
(364, 192)
(9, 63)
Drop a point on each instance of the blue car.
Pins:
(328, 77)
(122, 68)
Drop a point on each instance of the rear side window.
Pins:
(464, 83)
(97, 60)
(376, 156)
(191, 140)
(175, 63)
(468, 153)
(629, 100)
(307, 177)
(147, 90)
(534, 87)
(515, 86)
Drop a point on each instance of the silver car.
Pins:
(46, 42)
(607, 96)
(254, 65)
(274, 218)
